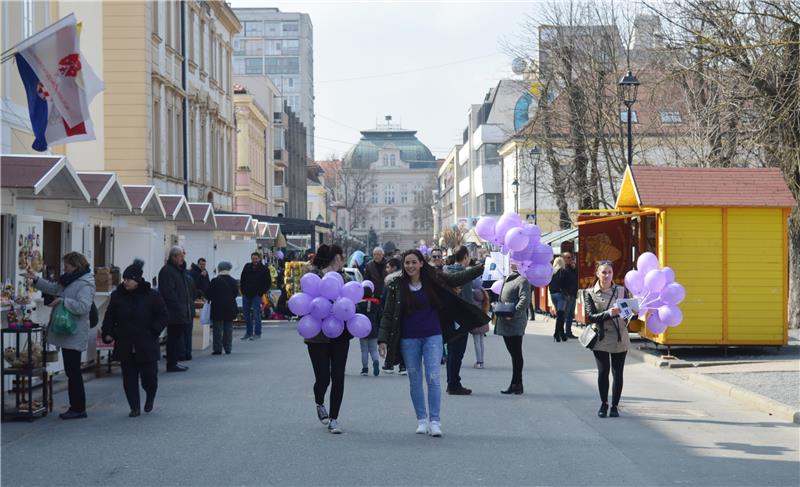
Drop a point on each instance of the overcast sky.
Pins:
(423, 63)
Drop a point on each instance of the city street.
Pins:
(249, 419)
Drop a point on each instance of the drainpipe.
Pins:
(185, 102)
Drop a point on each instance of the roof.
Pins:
(32, 176)
(201, 212)
(104, 190)
(661, 187)
(554, 239)
(412, 151)
(176, 208)
(234, 223)
(144, 200)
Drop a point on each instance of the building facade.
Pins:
(280, 45)
(254, 141)
(296, 173)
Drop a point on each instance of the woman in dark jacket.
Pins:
(135, 318)
(517, 291)
(221, 295)
(419, 313)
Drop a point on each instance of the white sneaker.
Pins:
(422, 426)
(436, 429)
(333, 427)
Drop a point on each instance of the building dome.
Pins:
(412, 151)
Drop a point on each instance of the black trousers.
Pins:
(328, 361)
(514, 347)
(131, 372)
(560, 318)
(615, 362)
(455, 355)
(175, 343)
(72, 367)
(187, 341)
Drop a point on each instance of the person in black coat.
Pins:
(255, 281)
(177, 288)
(200, 278)
(135, 318)
(222, 296)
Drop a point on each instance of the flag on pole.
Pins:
(59, 84)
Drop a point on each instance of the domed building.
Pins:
(398, 180)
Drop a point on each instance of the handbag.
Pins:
(589, 335)
(62, 322)
(205, 314)
(504, 310)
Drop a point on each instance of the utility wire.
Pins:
(413, 70)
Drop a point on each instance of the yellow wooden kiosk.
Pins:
(724, 231)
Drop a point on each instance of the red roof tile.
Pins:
(719, 187)
(199, 211)
(25, 172)
(170, 203)
(95, 182)
(137, 195)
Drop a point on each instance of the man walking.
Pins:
(457, 346)
(200, 277)
(376, 270)
(177, 288)
(254, 283)
(570, 292)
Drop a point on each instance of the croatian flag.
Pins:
(59, 85)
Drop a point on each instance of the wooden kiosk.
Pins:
(724, 231)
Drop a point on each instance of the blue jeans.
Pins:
(428, 352)
(251, 308)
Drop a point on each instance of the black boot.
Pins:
(603, 411)
(513, 389)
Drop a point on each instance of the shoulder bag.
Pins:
(62, 322)
(589, 335)
(501, 309)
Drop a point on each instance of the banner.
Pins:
(608, 240)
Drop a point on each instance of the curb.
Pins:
(752, 399)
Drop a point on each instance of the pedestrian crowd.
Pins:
(422, 308)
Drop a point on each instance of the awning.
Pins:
(175, 208)
(555, 238)
(234, 223)
(145, 201)
(273, 229)
(104, 191)
(41, 177)
(262, 229)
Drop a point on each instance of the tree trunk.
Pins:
(794, 268)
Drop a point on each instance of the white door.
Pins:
(237, 252)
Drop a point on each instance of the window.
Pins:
(155, 137)
(385, 160)
(389, 221)
(623, 116)
(283, 65)
(253, 29)
(291, 27)
(362, 196)
(670, 117)
(463, 171)
(291, 47)
(392, 160)
(202, 45)
(404, 193)
(191, 35)
(465, 204)
(271, 27)
(29, 4)
(273, 48)
(254, 65)
(238, 66)
(253, 47)
(388, 194)
(491, 204)
(168, 31)
(488, 154)
(418, 195)
(374, 194)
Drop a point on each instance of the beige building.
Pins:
(253, 147)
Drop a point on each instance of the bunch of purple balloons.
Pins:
(522, 241)
(326, 304)
(656, 290)
(424, 250)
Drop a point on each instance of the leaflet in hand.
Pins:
(628, 308)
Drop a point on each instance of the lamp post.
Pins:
(537, 152)
(628, 86)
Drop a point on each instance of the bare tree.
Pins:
(347, 190)
(740, 60)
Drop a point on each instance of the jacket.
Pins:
(255, 281)
(201, 282)
(516, 290)
(135, 320)
(177, 288)
(565, 281)
(78, 298)
(612, 332)
(454, 309)
(371, 308)
(376, 272)
(466, 290)
(222, 295)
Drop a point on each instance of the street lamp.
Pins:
(628, 86)
(535, 152)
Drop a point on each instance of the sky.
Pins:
(423, 63)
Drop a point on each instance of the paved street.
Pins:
(248, 419)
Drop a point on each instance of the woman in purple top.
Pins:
(419, 314)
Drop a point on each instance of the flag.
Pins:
(59, 85)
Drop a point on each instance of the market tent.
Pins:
(41, 177)
(104, 190)
(202, 213)
(145, 201)
(234, 223)
(176, 208)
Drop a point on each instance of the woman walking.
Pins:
(559, 297)
(74, 290)
(517, 291)
(222, 297)
(329, 355)
(612, 335)
(419, 313)
(135, 318)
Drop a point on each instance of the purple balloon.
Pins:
(516, 239)
(359, 326)
(634, 282)
(539, 272)
(330, 287)
(320, 308)
(309, 283)
(532, 231)
(542, 254)
(650, 304)
(369, 284)
(343, 309)
(654, 324)
(669, 274)
(506, 223)
(523, 267)
(332, 327)
(670, 315)
(300, 304)
(335, 275)
(279, 255)
(646, 263)
(352, 291)
(309, 327)
(485, 227)
(673, 294)
(654, 281)
(541, 282)
(497, 286)
(525, 254)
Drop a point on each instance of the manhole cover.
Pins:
(664, 412)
